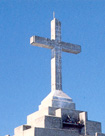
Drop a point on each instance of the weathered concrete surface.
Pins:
(57, 99)
(92, 127)
(56, 46)
(55, 132)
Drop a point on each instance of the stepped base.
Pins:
(52, 119)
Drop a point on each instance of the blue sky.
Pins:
(25, 70)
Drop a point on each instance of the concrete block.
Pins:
(53, 122)
(19, 130)
(99, 134)
(92, 127)
(83, 116)
(39, 122)
(28, 132)
(55, 132)
(64, 112)
(57, 99)
(44, 111)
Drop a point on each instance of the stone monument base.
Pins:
(57, 116)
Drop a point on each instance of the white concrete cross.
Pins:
(56, 46)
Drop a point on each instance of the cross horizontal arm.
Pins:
(70, 48)
(41, 42)
(50, 44)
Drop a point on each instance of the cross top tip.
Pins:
(53, 14)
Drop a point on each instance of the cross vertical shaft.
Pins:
(56, 67)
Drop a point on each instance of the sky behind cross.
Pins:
(25, 70)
